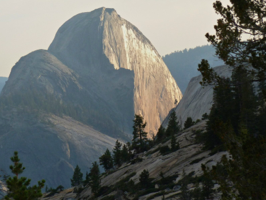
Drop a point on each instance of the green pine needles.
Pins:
(19, 188)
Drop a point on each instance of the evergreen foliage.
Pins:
(174, 143)
(117, 157)
(87, 179)
(205, 116)
(173, 125)
(106, 160)
(239, 123)
(139, 135)
(160, 134)
(19, 188)
(125, 156)
(95, 181)
(77, 177)
(144, 179)
(188, 123)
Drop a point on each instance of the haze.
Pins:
(170, 25)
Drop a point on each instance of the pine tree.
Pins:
(174, 144)
(77, 178)
(106, 160)
(124, 154)
(188, 123)
(139, 135)
(243, 174)
(95, 181)
(18, 188)
(160, 134)
(144, 178)
(87, 179)
(173, 125)
(117, 153)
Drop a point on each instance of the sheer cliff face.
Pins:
(99, 46)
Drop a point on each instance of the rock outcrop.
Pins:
(197, 100)
(100, 46)
(65, 106)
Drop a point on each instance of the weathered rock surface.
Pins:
(50, 147)
(99, 46)
(197, 100)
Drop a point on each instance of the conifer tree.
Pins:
(139, 135)
(243, 174)
(95, 181)
(173, 125)
(18, 188)
(87, 179)
(144, 178)
(117, 153)
(106, 160)
(160, 134)
(188, 123)
(77, 177)
(124, 154)
(174, 144)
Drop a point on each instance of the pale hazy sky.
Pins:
(28, 25)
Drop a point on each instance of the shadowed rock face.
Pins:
(197, 100)
(99, 44)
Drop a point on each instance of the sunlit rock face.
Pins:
(197, 99)
(99, 46)
(98, 64)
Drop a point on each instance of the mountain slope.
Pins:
(183, 64)
(49, 146)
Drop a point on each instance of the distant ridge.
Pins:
(183, 64)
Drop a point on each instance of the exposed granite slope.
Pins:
(189, 158)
